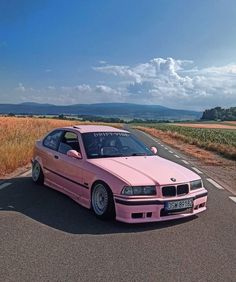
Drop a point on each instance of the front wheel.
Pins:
(37, 173)
(102, 201)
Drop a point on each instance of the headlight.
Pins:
(196, 184)
(139, 190)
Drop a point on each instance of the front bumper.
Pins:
(138, 210)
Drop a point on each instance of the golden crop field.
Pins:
(17, 138)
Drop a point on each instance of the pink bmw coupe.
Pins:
(111, 172)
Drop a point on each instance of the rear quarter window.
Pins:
(52, 140)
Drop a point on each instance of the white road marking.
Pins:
(27, 173)
(171, 152)
(178, 157)
(185, 162)
(4, 185)
(197, 170)
(166, 148)
(215, 183)
(233, 199)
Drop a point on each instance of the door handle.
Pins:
(56, 157)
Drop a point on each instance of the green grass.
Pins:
(222, 141)
(206, 135)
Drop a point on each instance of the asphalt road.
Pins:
(45, 236)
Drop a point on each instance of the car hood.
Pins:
(146, 170)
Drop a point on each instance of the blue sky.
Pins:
(174, 53)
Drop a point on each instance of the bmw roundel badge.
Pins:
(173, 179)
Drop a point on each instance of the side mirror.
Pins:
(74, 154)
(154, 150)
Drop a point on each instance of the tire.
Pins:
(102, 201)
(37, 173)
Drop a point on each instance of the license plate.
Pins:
(178, 205)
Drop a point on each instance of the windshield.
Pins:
(113, 144)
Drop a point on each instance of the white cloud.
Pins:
(104, 89)
(102, 62)
(51, 87)
(122, 71)
(83, 88)
(71, 94)
(176, 83)
(20, 87)
(87, 89)
(168, 82)
(220, 71)
(77, 88)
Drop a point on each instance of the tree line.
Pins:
(219, 113)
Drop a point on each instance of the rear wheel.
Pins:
(102, 201)
(37, 173)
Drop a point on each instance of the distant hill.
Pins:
(121, 110)
(219, 113)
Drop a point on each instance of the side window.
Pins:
(51, 141)
(69, 141)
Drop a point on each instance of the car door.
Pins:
(69, 169)
(50, 156)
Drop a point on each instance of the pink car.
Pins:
(111, 172)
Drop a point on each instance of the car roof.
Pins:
(95, 128)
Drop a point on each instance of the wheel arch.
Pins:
(39, 160)
(98, 181)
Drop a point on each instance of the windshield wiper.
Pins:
(111, 156)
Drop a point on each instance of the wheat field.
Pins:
(17, 138)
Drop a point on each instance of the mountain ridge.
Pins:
(123, 110)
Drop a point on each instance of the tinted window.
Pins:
(113, 144)
(69, 141)
(52, 140)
